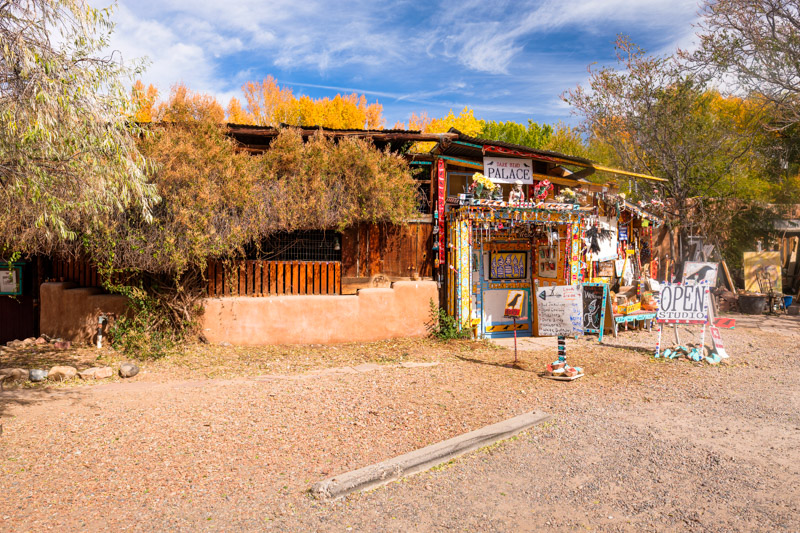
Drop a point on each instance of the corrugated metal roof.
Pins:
(273, 130)
(466, 151)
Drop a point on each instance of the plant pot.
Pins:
(752, 304)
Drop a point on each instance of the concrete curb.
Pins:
(386, 471)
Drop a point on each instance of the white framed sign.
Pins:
(559, 310)
(508, 170)
(683, 304)
(10, 278)
(700, 273)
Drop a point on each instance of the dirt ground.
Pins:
(229, 439)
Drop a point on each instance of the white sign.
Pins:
(683, 304)
(716, 339)
(508, 170)
(700, 272)
(8, 281)
(560, 310)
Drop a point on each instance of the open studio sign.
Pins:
(683, 304)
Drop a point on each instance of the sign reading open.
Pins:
(683, 304)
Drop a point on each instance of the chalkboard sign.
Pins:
(594, 308)
(559, 310)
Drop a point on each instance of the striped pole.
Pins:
(562, 348)
(703, 334)
(658, 342)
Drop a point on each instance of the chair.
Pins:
(765, 286)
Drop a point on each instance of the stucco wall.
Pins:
(372, 314)
(71, 313)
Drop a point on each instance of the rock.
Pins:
(62, 373)
(128, 370)
(62, 345)
(14, 344)
(36, 375)
(30, 341)
(226, 344)
(40, 341)
(96, 372)
(15, 374)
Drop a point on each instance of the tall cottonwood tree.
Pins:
(268, 104)
(67, 153)
(756, 45)
(662, 120)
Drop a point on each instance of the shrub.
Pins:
(443, 326)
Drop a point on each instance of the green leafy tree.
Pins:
(533, 135)
(68, 156)
(662, 120)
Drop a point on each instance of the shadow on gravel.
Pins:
(512, 365)
(640, 349)
(17, 396)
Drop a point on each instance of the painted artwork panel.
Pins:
(494, 306)
(508, 265)
(699, 272)
(547, 261)
(765, 263)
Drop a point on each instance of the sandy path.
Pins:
(654, 445)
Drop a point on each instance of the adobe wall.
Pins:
(372, 314)
(71, 312)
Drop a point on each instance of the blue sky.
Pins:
(508, 60)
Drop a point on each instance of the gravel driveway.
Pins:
(636, 444)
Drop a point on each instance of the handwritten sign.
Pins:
(514, 302)
(508, 170)
(683, 304)
(559, 310)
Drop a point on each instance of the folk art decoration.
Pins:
(595, 296)
(542, 189)
(508, 265)
(516, 196)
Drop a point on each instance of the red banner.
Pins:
(441, 182)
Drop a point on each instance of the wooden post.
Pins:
(302, 279)
(280, 288)
(728, 277)
(219, 280)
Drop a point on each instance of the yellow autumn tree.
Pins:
(185, 105)
(465, 122)
(271, 105)
(236, 114)
(144, 101)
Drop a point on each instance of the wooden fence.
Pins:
(262, 278)
(77, 271)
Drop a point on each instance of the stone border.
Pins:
(386, 471)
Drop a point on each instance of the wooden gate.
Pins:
(266, 278)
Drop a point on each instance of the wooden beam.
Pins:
(626, 173)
